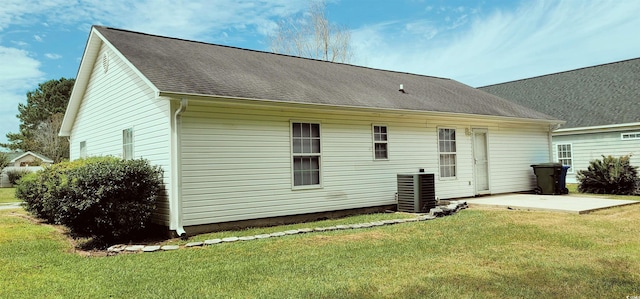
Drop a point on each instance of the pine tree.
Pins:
(44, 108)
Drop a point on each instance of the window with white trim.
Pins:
(306, 158)
(630, 136)
(83, 149)
(380, 143)
(565, 155)
(127, 144)
(447, 152)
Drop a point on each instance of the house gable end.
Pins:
(115, 99)
(92, 50)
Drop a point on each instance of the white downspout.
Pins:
(176, 174)
(550, 136)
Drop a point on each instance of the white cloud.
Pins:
(19, 43)
(190, 19)
(21, 68)
(197, 19)
(26, 11)
(425, 29)
(539, 37)
(52, 56)
(38, 38)
(16, 78)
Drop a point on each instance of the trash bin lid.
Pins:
(549, 164)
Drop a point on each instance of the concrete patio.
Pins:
(557, 203)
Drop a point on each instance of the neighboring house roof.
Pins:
(601, 95)
(19, 155)
(175, 67)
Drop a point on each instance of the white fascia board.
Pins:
(597, 129)
(89, 57)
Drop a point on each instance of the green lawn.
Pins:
(7, 195)
(475, 253)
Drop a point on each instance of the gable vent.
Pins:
(105, 62)
(416, 192)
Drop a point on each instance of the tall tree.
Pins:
(4, 160)
(48, 141)
(313, 36)
(40, 120)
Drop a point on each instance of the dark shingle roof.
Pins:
(599, 95)
(188, 67)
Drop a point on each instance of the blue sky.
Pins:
(473, 41)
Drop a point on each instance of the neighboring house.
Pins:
(601, 105)
(22, 161)
(245, 135)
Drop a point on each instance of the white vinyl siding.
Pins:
(306, 154)
(380, 142)
(565, 154)
(513, 149)
(587, 147)
(447, 152)
(117, 100)
(237, 160)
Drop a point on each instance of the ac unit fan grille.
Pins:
(416, 192)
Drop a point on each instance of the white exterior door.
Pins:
(481, 161)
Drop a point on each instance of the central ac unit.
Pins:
(416, 192)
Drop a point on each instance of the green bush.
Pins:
(41, 191)
(610, 175)
(15, 174)
(107, 198)
(30, 189)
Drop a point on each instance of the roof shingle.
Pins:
(599, 95)
(189, 67)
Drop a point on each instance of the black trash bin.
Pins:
(551, 178)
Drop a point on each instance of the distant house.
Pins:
(25, 159)
(22, 161)
(601, 105)
(245, 135)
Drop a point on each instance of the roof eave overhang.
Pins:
(179, 95)
(597, 129)
(82, 79)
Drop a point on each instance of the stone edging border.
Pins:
(439, 211)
